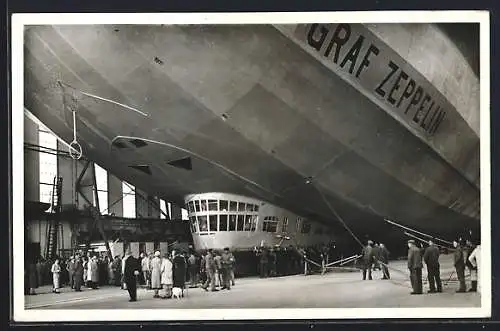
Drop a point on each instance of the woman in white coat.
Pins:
(166, 276)
(93, 272)
(155, 272)
(475, 260)
(56, 274)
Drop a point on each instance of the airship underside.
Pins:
(325, 120)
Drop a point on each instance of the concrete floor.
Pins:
(332, 290)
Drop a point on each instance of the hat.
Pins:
(411, 241)
(157, 253)
(370, 242)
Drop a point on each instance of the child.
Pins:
(56, 274)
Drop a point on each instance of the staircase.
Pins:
(54, 219)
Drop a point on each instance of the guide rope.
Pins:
(338, 217)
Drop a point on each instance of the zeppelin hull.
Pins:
(256, 114)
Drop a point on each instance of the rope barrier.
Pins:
(348, 259)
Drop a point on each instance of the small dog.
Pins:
(177, 292)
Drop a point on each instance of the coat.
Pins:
(179, 271)
(227, 260)
(166, 272)
(367, 254)
(376, 252)
(384, 255)
(130, 265)
(93, 271)
(210, 264)
(431, 256)
(71, 267)
(78, 268)
(33, 276)
(155, 272)
(475, 260)
(458, 259)
(414, 258)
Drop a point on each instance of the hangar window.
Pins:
(48, 163)
(284, 227)
(298, 224)
(101, 176)
(223, 205)
(270, 224)
(197, 205)
(240, 224)
(241, 206)
(163, 208)
(213, 223)
(232, 222)
(212, 205)
(306, 227)
(128, 200)
(255, 208)
(203, 204)
(202, 223)
(255, 221)
(249, 207)
(248, 223)
(232, 205)
(222, 222)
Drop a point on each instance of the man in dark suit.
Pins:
(71, 271)
(431, 259)
(78, 273)
(459, 263)
(415, 267)
(384, 259)
(132, 270)
(367, 259)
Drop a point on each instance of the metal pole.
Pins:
(421, 233)
(425, 241)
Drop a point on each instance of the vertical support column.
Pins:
(31, 162)
(134, 248)
(176, 212)
(115, 195)
(150, 247)
(163, 248)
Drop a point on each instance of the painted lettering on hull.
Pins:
(358, 54)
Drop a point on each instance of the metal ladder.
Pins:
(54, 218)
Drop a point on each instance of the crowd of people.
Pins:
(91, 270)
(466, 256)
(213, 270)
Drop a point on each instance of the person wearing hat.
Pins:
(155, 272)
(131, 270)
(431, 259)
(210, 269)
(415, 267)
(468, 249)
(475, 260)
(367, 259)
(459, 263)
(384, 260)
(227, 265)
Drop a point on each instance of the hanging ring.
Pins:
(75, 150)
